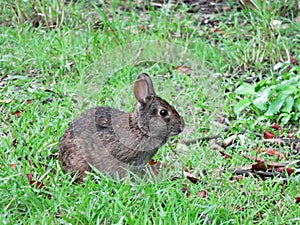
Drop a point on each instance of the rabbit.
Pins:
(115, 142)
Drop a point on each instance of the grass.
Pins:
(59, 59)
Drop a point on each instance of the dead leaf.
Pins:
(216, 30)
(297, 200)
(33, 183)
(202, 194)
(226, 156)
(184, 189)
(276, 127)
(37, 184)
(17, 113)
(289, 171)
(227, 8)
(229, 140)
(191, 177)
(237, 177)
(248, 3)
(260, 166)
(273, 152)
(184, 69)
(235, 208)
(14, 142)
(152, 162)
(268, 134)
(12, 166)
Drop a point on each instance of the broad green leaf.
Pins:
(240, 106)
(288, 105)
(245, 89)
(262, 100)
(287, 89)
(285, 118)
(274, 107)
(292, 81)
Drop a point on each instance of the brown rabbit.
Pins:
(113, 141)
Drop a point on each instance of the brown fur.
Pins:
(113, 141)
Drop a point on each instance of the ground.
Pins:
(230, 68)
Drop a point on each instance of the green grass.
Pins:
(57, 60)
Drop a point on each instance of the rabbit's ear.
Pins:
(149, 82)
(143, 88)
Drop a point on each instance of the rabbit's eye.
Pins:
(163, 112)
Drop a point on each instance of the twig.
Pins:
(282, 140)
(194, 141)
(261, 174)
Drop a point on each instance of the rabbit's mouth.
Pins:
(177, 131)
